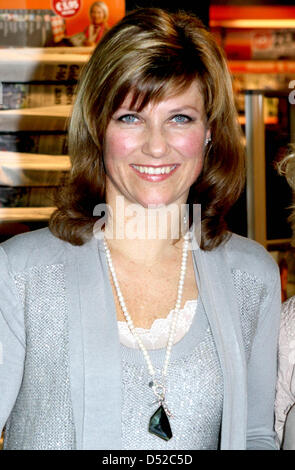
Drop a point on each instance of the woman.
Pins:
(99, 14)
(137, 338)
(285, 395)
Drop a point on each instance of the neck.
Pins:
(144, 235)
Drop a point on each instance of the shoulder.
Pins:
(249, 256)
(32, 248)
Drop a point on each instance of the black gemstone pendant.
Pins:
(159, 424)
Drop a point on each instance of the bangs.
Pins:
(154, 90)
(152, 86)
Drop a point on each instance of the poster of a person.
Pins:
(98, 26)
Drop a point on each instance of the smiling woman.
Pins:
(163, 143)
(112, 341)
(144, 60)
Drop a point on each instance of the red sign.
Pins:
(262, 40)
(66, 8)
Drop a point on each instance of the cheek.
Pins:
(117, 147)
(191, 146)
(192, 150)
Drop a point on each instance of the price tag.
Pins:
(66, 8)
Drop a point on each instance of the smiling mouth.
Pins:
(150, 170)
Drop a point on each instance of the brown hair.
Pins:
(286, 167)
(152, 53)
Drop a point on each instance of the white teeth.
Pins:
(154, 171)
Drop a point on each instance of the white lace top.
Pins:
(156, 337)
(194, 391)
(285, 396)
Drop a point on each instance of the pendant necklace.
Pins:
(159, 424)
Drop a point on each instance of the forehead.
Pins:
(189, 96)
(97, 8)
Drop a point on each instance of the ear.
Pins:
(208, 137)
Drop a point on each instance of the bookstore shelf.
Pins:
(25, 214)
(51, 66)
(34, 162)
(27, 169)
(261, 66)
(48, 118)
(253, 23)
(27, 64)
(259, 44)
(30, 161)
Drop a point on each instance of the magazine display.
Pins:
(44, 45)
(50, 23)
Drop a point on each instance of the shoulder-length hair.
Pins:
(286, 167)
(152, 54)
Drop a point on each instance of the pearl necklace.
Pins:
(159, 423)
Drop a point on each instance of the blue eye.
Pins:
(181, 119)
(128, 118)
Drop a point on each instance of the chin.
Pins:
(156, 203)
(160, 200)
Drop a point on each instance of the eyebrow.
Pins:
(176, 110)
(181, 108)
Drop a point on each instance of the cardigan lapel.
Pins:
(76, 351)
(217, 292)
(94, 350)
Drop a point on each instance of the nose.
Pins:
(155, 143)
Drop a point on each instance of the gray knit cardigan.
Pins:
(60, 385)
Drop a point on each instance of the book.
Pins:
(52, 143)
(25, 95)
(27, 196)
(25, 169)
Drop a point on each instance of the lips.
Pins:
(154, 173)
(151, 170)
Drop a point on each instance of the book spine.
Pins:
(27, 197)
(22, 95)
(27, 142)
(18, 177)
(38, 71)
(30, 27)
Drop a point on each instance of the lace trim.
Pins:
(156, 337)
(288, 317)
